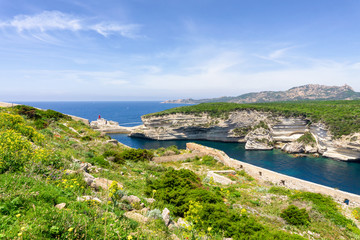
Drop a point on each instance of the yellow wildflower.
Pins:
(70, 229)
(243, 211)
(18, 215)
(19, 234)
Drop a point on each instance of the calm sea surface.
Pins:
(342, 175)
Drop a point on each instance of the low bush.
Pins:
(115, 155)
(295, 216)
(98, 160)
(279, 190)
(209, 160)
(307, 138)
(325, 205)
(137, 155)
(182, 192)
(175, 189)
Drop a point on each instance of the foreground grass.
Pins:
(33, 183)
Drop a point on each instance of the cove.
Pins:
(342, 175)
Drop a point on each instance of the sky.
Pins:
(136, 50)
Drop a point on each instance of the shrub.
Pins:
(15, 151)
(98, 160)
(155, 214)
(279, 190)
(115, 155)
(137, 155)
(295, 216)
(324, 205)
(209, 160)
(17, 123)
(307, 138)
(175, 188)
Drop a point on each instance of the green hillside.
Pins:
(342, 116)
(46, 160)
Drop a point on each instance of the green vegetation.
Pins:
(136, 155)
(295, 216)
(41, 168)
(326, 206)
(307, 138)
(171, 150)
(342, 117)
(242, 131)
(184, 194)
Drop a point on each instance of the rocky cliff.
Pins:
(259, 130)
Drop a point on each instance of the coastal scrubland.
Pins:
(46, 159)
(342, 116)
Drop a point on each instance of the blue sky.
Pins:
(170, 49)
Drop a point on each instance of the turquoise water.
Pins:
(325, 171)
(342, 175)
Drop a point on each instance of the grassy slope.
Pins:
(28, 195)
(342, 117)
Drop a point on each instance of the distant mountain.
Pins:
(306, 92)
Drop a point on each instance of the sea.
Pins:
(336, 174)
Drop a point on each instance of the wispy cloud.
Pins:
(54, 20)
(277, 55)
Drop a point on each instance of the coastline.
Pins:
(276, 178)
(257, 172)
(76, 118)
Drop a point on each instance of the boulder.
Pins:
(88, 178)
(131, 199)
(298, 147)
(183, 223)
(88, 198)
(219, 178)
(166, 216)
(293, 147)
(144, 211)
(113, 141)
(150, 200)
(60, 205)
(103, 183)
(136, 216)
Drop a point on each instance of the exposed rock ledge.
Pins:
(260, 131)
(106, 126)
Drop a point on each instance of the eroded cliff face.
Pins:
(260, 131)
(200, 127)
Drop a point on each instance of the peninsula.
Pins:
(306, 92)
(329, 128)
(60, 179)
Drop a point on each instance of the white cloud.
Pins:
(106, 29)
(277, 55)
(55, 20)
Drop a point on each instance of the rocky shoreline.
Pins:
(259, 130)
(106, 126)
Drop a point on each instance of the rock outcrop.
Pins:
(259, 139)
(298, 147)
(198, 127)
(259, 130)
(106, 126)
